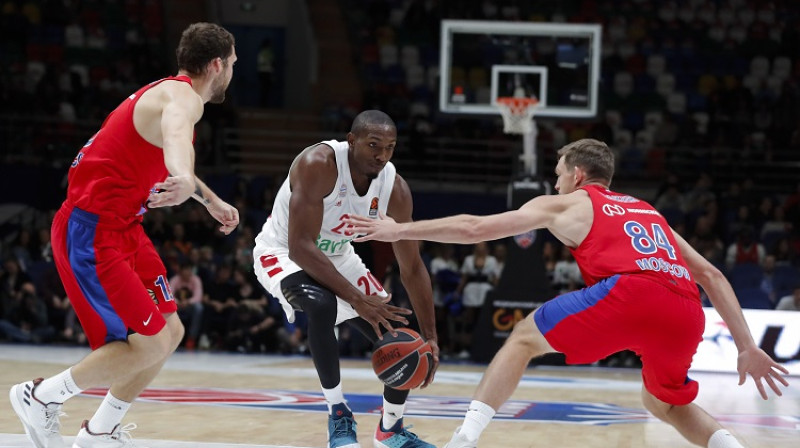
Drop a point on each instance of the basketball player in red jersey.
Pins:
(141, 157)
(641, 295)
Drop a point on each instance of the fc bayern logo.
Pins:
(525, 240)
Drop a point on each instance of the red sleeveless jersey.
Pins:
(114, 172)
(629, 236)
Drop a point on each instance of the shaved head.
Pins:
(370, 118)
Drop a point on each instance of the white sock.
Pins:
(478, 417)
(391, 413)
(58, 388)
(108, 415)
(723, 439)
(333, 396)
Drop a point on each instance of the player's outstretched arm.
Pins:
(463, 229)
(752, 360)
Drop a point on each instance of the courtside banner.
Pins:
(776, 332)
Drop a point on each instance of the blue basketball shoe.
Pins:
(398, 437)
(342, 428)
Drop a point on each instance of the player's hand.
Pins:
(384, 229)
(225, 214)
(435, 352)
(759, 365)
(174, 190)
(377, 311)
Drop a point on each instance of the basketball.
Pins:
(402, 361)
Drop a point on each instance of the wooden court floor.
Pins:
(225, 400)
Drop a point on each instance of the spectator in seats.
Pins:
(44, 250)
(23, 249)
(187, 289)
(196, 229)
(266, 67)
(768, 279)
(243, 253)
(763, 213)
(478, 277)
(500, 252)
(25, 317)
(155, 224)
(776, 224)
(178, 241)
(699, 194)
(741, 221)
(250, 330)
(666, 134)
(445, 277)
(792, 203)
(219, 301)
(671, 199)
(566, 274)
(59, 311)
(745, 249)
(12, 279)
(706, 242)
(784, 253)
(790, 302)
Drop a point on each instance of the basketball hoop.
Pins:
(517, 113)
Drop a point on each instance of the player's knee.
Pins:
(527, 337)
(304, 293)
(658, 408)
(176, 330)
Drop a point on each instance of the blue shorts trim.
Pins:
(551, 313)
(81, 230)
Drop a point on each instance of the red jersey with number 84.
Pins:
(629, 236)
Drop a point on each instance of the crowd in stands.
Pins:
(719, 75)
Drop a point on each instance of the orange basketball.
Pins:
(402, 361)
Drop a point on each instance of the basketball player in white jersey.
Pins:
(303, 256)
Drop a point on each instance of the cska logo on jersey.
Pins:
(373, 208)
(525, 240)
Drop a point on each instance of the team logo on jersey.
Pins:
(373, 208)
(613, 209)
(525, 240)
(342, 191)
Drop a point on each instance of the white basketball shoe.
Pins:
(119, 437)
(40, 420)
(460, 441)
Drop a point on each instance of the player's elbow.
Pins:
(708, 275)
(473, 230)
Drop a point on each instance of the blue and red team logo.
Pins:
(598, 414)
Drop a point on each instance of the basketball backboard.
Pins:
(482, 60)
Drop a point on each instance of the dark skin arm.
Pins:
(413, 273)
(313, 177)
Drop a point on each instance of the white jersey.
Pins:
(334, 237)
(271, 255)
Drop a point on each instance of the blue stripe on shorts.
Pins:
(551, 313)
(81, 230)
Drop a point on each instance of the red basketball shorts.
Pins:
(629, 312)
(115, 280)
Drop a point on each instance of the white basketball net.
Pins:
(517, 114)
